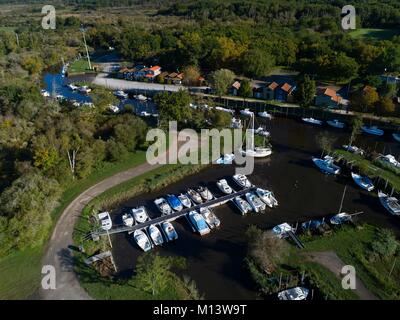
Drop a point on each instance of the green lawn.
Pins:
(79, 66)
(374, 34)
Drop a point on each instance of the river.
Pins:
(215, 261)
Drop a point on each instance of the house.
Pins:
(269, 91)
(234, 89)
(327, 97)
(258, 90)
(174, 78)
(284, 92)
(152, 72)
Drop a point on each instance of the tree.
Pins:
(355, 129)
(365, 100)
(174, 106)
(191, 75)
(385, 106)
(305, 92)
(385, 244)
(342, 67)
(257, 63)
(221, 80)
(245, 89)
(325, 141)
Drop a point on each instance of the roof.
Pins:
(236, 85)
(155, 68)
(286, 87)
(330, 93)
(273, 85)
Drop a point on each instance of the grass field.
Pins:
(79, 66)
(374, 34)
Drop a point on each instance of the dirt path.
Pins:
(59, 253)
(332, 262)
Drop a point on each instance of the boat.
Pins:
(363, 181)
(121, 94)
(155, 235)
(195, 196)
(236, 123)
(243, 206)
(174, 202)
(140, 97)
(224, 186)
(210, 217)
(396, 136)
(225, 159)
(390, 203)
(163, 206)
(73, 87)
(255, 202)
(225, 110)
(142, 240)
(251, 150)
(140, 214)
(312, 121)
(113, 108)
(374, 130)
(353, 149)
(265, 115)
(281, 230)
(312, 224)
(105, 220)
(128, 220)
(169, 231)
(185, 200)
(390, 160)
(246, 113)
(340, 218)
(198, 223)
(205, 193)
(60, 97)
(336, 124)
(84, 89)
(44, 93)
(267, 197)
(326, 165)
(242, 180)
(298, 293)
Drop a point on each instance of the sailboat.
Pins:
(251, 150)
(342, 217)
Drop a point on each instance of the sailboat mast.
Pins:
(341, 203)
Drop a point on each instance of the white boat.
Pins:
(105, 220)
(44, 93)
(121, 94)
(255, 202)
(282, 229)
(73, 87)
(195, 196)
(312, 121)
(251, 150)
(163, 206)
(396, 137)
(205, 193)
(225, 110)
(210, 217)
(363, 181)
(374, 130)
(390, 203)
(224, 186)
(242, 180)
(169, 231)
(198, 223)
(326, 165)
(336, 124)
(226, 159)
(114, 109)
(140, 214)
(390, 160)
(268, 197)
(353, 149)
(246, 112)
(142, 240)
(128, 220)
(174, 202)
(243, 206)
(184, 199)
(60, 97)
(236, 123)
(265, 115)
(145, 114)
(140, 97)
(84, 89)
(298, 293)
(340, 218)
(155, 235)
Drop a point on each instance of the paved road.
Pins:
(59, 254)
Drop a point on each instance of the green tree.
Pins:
(325, 142)
(385, 106)
(245, 89)
(305, 92)
(355, 129)
(385, 244)
(221, 80)
(174, 106)
(257, 63)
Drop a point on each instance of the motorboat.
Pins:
(185, 200)
(363, 181)
(174, 202)
(246, 113)
(336, 124)
(163, 206)
(144, 114)
(198, 222)
(298, 293)
(340, 218)
(396, 136)
(374, 130)
(140, 214)
(255, 202)
(313, 224)
(242, 180)
(353, 149)
(195, 196)
(390, 160)
(205, 193)
(236, 123)
(105, 220)
(312, 121)
(225, 159)
(267, 197)
(169, 231)
(390, 203)
(142, 240)
(282, 230)
(243, 206)
(155, 235)
(44, 93)
(257, 152)
(113, 108)
(224, 186)
(84, 89)
(121, 94)
(326, 165)
(265, 115)
(73, 87)
(128, 220)
(140, 97)
(210, 217)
